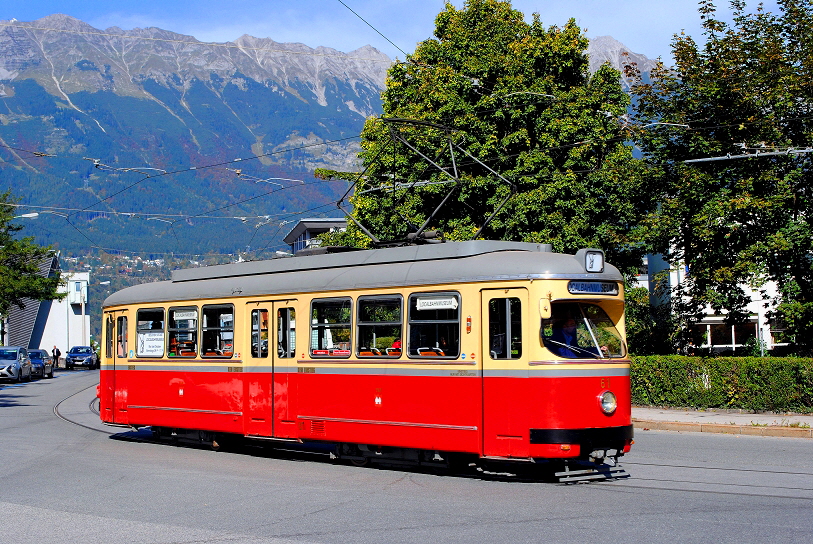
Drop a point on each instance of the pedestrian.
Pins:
(55, 355)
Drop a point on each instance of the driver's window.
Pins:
(580, 331)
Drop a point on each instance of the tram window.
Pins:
(505, 328)
(121, 338)
(217, 330)
(578, 330)
(259, 333)
(183, 332)
(286, 333)
(379, 326)
(330, 327)
(434, 325)
(150, 332)
(109, 336)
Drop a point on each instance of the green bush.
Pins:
(771, 384)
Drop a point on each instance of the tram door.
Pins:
(114, 358)
(273, 349)
(505, 315)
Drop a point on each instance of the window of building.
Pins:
(330, 327)
(379, 326)
(183, 332)
(150, 332)
(505, 328)
(721, 334)
(745, 333)
(217, 330)
(434, 325)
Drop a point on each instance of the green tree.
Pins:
(740, 221)
(20, 258)
(510, 98)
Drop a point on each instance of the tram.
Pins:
(500, 352)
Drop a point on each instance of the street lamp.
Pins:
(31, 215)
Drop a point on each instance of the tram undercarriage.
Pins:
(599, 465)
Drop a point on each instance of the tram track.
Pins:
(93, 406)
(703, 477)
(732, 469)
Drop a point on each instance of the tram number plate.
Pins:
(592, 288)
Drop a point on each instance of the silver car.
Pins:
(14, 364)
(42, 364)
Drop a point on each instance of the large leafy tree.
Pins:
(20, 258)
(736, 221)
(524, 133)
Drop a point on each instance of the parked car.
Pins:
(42, 364)
(81, 356)
(14, 364)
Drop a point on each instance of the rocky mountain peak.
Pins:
(607, 49)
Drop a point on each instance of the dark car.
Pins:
(42, 364)
(14, 364)
(81, 356)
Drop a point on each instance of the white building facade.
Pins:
(48, 323)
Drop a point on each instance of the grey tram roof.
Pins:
(431, 264)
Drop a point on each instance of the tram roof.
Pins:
(450, 262)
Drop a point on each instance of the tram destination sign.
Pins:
(592, 288)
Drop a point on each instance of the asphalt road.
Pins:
(79, 481)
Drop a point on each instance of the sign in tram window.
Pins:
(379, 326)
(259, 333)
(150, 332)
(183, 332)
(217, 330)
(330, 327)
(286, 333)
(505, 328)
(434, 325)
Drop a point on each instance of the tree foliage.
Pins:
(519, 99)
(20, 258)
(741, 221)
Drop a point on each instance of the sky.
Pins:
(644, 26)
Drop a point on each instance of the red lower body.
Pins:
(509, 417)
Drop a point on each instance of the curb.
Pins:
(750, 430)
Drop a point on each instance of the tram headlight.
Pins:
(608, 402)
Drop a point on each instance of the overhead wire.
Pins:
(374, 28)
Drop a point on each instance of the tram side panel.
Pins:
(424, 402)
(394, 408)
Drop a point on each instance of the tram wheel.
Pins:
(360, 462)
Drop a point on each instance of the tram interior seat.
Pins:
(430, 352)
(395, 352)
(369, 352)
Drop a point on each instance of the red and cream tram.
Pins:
(499, 351)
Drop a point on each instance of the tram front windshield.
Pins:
(579, 330)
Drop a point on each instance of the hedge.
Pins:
(759, 384)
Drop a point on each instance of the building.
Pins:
(716, 334)
(47, 323)
(306, 229)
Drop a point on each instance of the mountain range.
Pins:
(151, 141)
